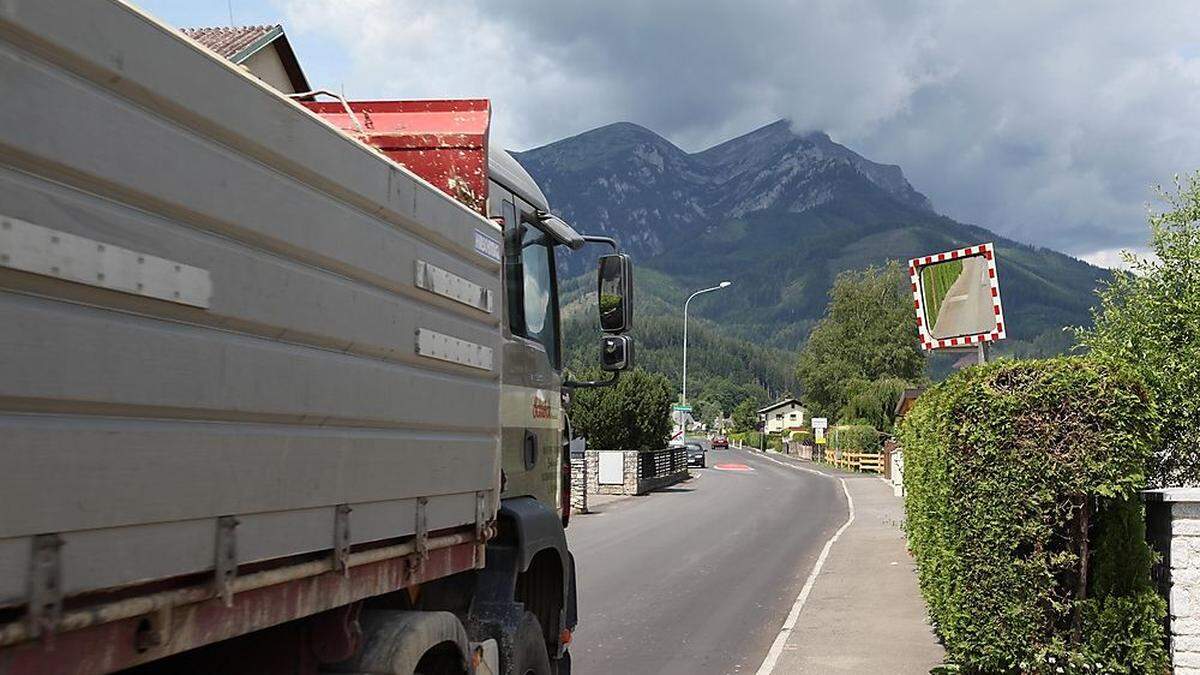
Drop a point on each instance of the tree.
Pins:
(745, 416)
(1149, 320)
(721, 392)
(873, 403)
(705, 411)
(635, 414)
(867, 334)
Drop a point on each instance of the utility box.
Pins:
(612, 467)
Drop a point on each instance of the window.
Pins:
(530, 282)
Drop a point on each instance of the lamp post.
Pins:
(723, 284)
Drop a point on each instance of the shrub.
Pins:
(1012, 471)
(635, 414)
(856, 437)
(1149, 321)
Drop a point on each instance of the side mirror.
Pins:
(616, 353)
(616, 293)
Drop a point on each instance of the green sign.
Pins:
(681, 408)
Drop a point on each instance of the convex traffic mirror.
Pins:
(957, 297)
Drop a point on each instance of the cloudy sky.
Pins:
(1049, 122)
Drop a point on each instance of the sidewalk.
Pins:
(864, 613)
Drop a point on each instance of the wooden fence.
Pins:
(867, 462)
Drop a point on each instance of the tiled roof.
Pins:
(778, 404)
(230, 42)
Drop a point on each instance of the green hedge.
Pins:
(804, 437)
(856, 437)
(1015, 473)
(754, 439)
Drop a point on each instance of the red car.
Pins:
(720, 442)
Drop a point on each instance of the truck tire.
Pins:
(529, 649)
(400, 642)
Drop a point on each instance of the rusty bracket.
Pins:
(422, 539)
(481, 515)
(45, 585)
(154, 630)
(483, 527)
(226, 558)
(416, 561)
(341, 539)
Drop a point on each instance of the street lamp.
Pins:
(723, 284)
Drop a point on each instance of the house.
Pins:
(262, 50)
(783, 415)
(907, 399)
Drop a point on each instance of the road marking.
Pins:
(732, 467)
(789, 624)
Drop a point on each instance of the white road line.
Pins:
(768, 664)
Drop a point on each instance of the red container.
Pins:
(443, 141)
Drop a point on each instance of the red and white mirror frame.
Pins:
(928, 341)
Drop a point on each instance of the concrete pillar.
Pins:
(1173, 527)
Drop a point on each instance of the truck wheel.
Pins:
(529, 649)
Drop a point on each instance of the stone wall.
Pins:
(631, 484)
(1173, 527)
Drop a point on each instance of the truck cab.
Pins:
(535, 457)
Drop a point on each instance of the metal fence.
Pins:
(661, 463)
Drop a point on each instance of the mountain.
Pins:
(623, 179)
(780, 214)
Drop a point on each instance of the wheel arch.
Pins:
(529, 562)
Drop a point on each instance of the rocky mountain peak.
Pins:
(626, 180)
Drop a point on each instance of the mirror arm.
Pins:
(597, 239)
(593, 384)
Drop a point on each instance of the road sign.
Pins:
(820, 423)
(681, 408)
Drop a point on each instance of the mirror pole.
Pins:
(592, 384)
(597, 239)
(982, 352)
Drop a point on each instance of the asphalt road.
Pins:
(967, 308)
(698, 578)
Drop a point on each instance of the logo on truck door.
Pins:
(541, 406)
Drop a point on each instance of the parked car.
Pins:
(697, 456)
(721, 442)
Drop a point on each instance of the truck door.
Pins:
(530, 409)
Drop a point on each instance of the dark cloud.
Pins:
(1047, 121)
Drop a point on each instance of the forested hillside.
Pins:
(779, 214)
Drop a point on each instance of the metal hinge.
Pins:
(226, 558)
(341, 539)
(45, 585)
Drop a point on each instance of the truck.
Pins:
(279, 392)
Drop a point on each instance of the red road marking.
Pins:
(732, 467)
